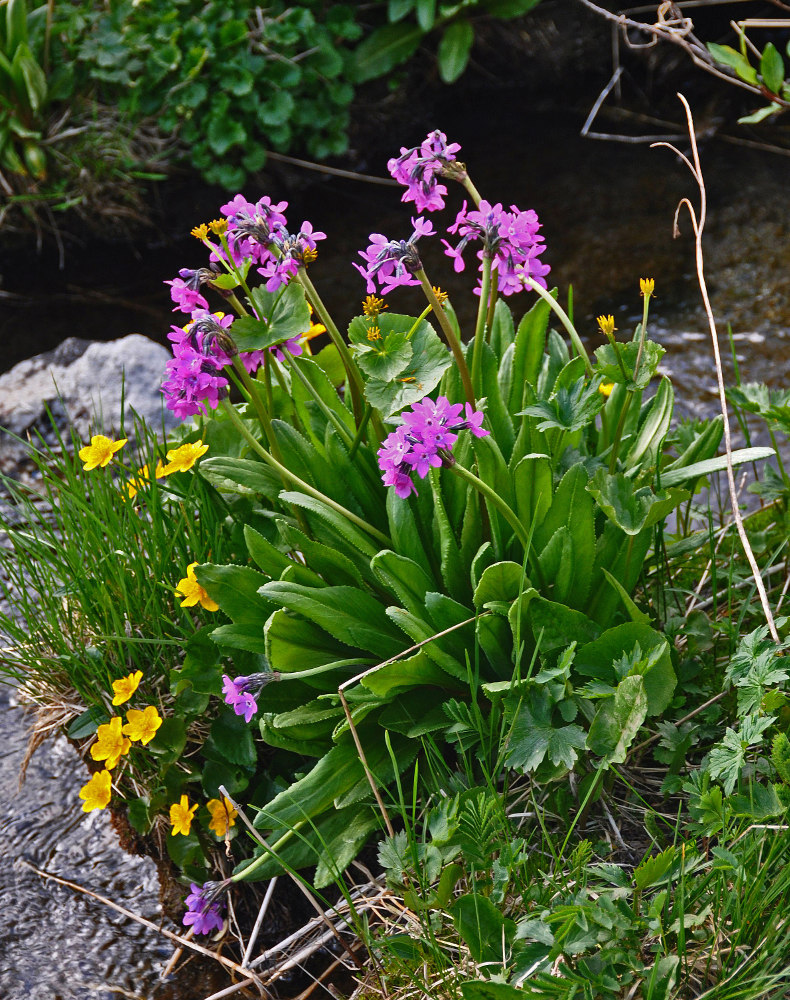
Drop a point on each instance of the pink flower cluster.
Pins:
(419, 167)
(510, 240)
(393, 262)
(259, 231)
(193, 376)
(424, 440)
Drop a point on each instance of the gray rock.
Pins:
(83, 384)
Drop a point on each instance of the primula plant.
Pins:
(416, 542)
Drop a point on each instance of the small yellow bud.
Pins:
(440, 295)
(308, 256)
(605, 388)
(200, 232)
(647, 286)
(373, 306)
(374, 333)
(218, 226)
(606, 325)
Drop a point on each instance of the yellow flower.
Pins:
(605, 388)
(142, 479)
(647, 286)
(181, 816)
(440, 295)
(218, 226)
(373, 306)
(110, 745)
(223, 816)
(97, 792)
(374, 333)
(100, 451)
(143, 725)
(201, 231)
(606, 325)
(192, 591)
(183, 458)
(308, 256)
(126, 686)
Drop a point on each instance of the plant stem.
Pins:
(331, 416)
(642, 335)
(300, 483)
(473, 192)
(360, 430)
(494, 498)
(352, 372)
(492, 300)
(450, 335)
(564, 319)
(480, 326)
(260, 409)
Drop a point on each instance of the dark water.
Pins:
(607, 212)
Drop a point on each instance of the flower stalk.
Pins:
(450, 335)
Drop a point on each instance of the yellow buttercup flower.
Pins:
(605, 388)
(606, 325)
(201, 231)
(183, 458)
(100, 451)
(181, 816)
(192, 591)
(97, 792)
(223, 816)
(126, 686)
(110, 744)
(218, 226)
(373, 306)
(647, 286)
(142, 726)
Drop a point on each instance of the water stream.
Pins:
(607, 213)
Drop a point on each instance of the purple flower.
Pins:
(293, 252)
(186, 297)
(240, 692)
(393, 262)
(193, 376)
(419, 167)
(203, 913)
(424, 440)
(510, 240)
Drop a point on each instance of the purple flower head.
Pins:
(193, 376)
(241, 692)
(424, 440)
(293, 252)
(186, 294)
(204, 913)
(510, 240)
(419, 167)
(393, 262)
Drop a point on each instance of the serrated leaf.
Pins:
(629, 508)
(280, 315)
(618, 720)
(651, 871)
(533, 737)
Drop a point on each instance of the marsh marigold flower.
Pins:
(142, 725)
(605, 388)
(200, 232)
(110, 744)
(373, 306)
(126, 686)
(606, 325)
(193, 593)
(97, 792)
(181, 816)
(182, 459)
(100, 451)
(223, 816)
(647, 286)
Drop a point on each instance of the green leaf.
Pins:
(760, 114)
(404, 578)
(87, 723)
(533, 736)
(772, 68)
(610, 357)
(533, 488)
(500, 582)
(426, 14)
(735, 60)
(385, 49)
(454, 50)
(336, 521)
(629, 508)
(482, 989)
(618, 720)
(385, 358)
(170, 740)
(280, 315)
(346, 613)
(230, 739)
(247, 637)
(241, 475)
(569, 409)
(645, 449)
(294, 644)
(414, 671)
(698, 469)
(484, 928)
(223, 133)
(430, 360)
(553, 624)
(652, 871)
(236, 590)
